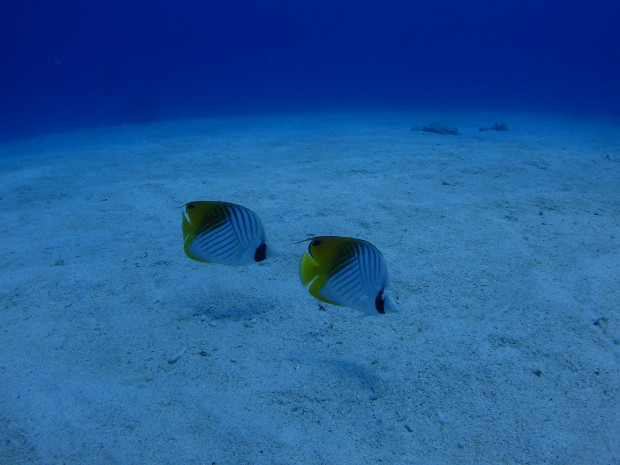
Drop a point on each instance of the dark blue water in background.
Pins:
(72, 64)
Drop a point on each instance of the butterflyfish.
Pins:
(347, 272)
(225, 233)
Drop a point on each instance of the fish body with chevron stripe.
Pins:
(348, 272)
(225, 233)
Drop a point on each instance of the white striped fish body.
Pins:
(348, 272)
(225, 233)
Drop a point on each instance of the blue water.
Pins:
(72, 64)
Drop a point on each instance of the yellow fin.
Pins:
(309, 269)
(313, 278)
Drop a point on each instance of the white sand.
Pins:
(504, 249)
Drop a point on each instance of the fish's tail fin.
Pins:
(272, 252)
(389, 301)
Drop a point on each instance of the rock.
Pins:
(496, 127)
(440, 129)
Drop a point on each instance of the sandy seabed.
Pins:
(503, 248)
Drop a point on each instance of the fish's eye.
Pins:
(190, 205)
(316, 242)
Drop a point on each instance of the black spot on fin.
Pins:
(380, 303)
(261, 253)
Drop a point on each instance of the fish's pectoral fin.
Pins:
(314, 285)
(272, 251)
(308, 269)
